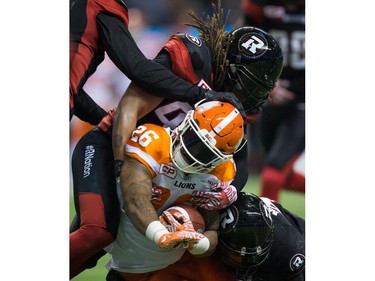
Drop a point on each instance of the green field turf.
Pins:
(293, 201)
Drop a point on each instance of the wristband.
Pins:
(201, 247)
(155, 230)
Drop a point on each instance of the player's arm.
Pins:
(242, 168)
(86, 109)
(134, 104)
(151, 76)
(136, 186)
(212, 220)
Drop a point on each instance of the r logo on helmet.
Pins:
(229, 219)
(252, 45)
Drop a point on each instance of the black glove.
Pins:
(118, 166)
(226, 97)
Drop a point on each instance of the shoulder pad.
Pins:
(150, 144)
(200, 56)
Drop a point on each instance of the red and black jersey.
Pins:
(98, 26)
(189, 58)
(86, 51)
(285, 21)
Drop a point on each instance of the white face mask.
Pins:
(193, 150)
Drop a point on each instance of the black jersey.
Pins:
(287, 25)
(286, 260)
(188, 57)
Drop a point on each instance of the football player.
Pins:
(99, 26)
(196, 60)
(259, 240)
(281, 126)
(168, 166)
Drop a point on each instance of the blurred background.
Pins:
(151, 24)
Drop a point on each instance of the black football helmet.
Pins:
(255, 64)
(246, 232)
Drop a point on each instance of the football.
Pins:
(192, 213)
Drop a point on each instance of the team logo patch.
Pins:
(297, 262)
(168, 170)
(252, 45)
(228, 219)
(194, 40)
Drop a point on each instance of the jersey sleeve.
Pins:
(242, 168)
(151, 76)
(86, 109)
(150, 145)
(225, 172)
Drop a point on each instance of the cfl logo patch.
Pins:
(252, 45)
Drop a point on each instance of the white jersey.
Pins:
(150, 144)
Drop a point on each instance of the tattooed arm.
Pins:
(136, 187)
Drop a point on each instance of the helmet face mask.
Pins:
(192, 151)
(246, 234)
(197, 146)
(255, 64)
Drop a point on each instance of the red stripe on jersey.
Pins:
(181, 62)
(82, 52)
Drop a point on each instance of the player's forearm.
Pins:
(151, 76)
(134, 104)
(123, 124)
(242, 168)
(212, 236)
(212, 220)
(136, 187)
(86, 109)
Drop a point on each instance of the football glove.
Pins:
(214, 200)
(105, 124)
(172, 222)
(182, 234)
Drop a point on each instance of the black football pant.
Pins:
(95, 197)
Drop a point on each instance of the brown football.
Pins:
(192, 213)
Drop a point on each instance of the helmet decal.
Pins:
(252, 45)
(228, 218)
(225, 122)
(296, 262)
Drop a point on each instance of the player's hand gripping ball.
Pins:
(179, 212)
